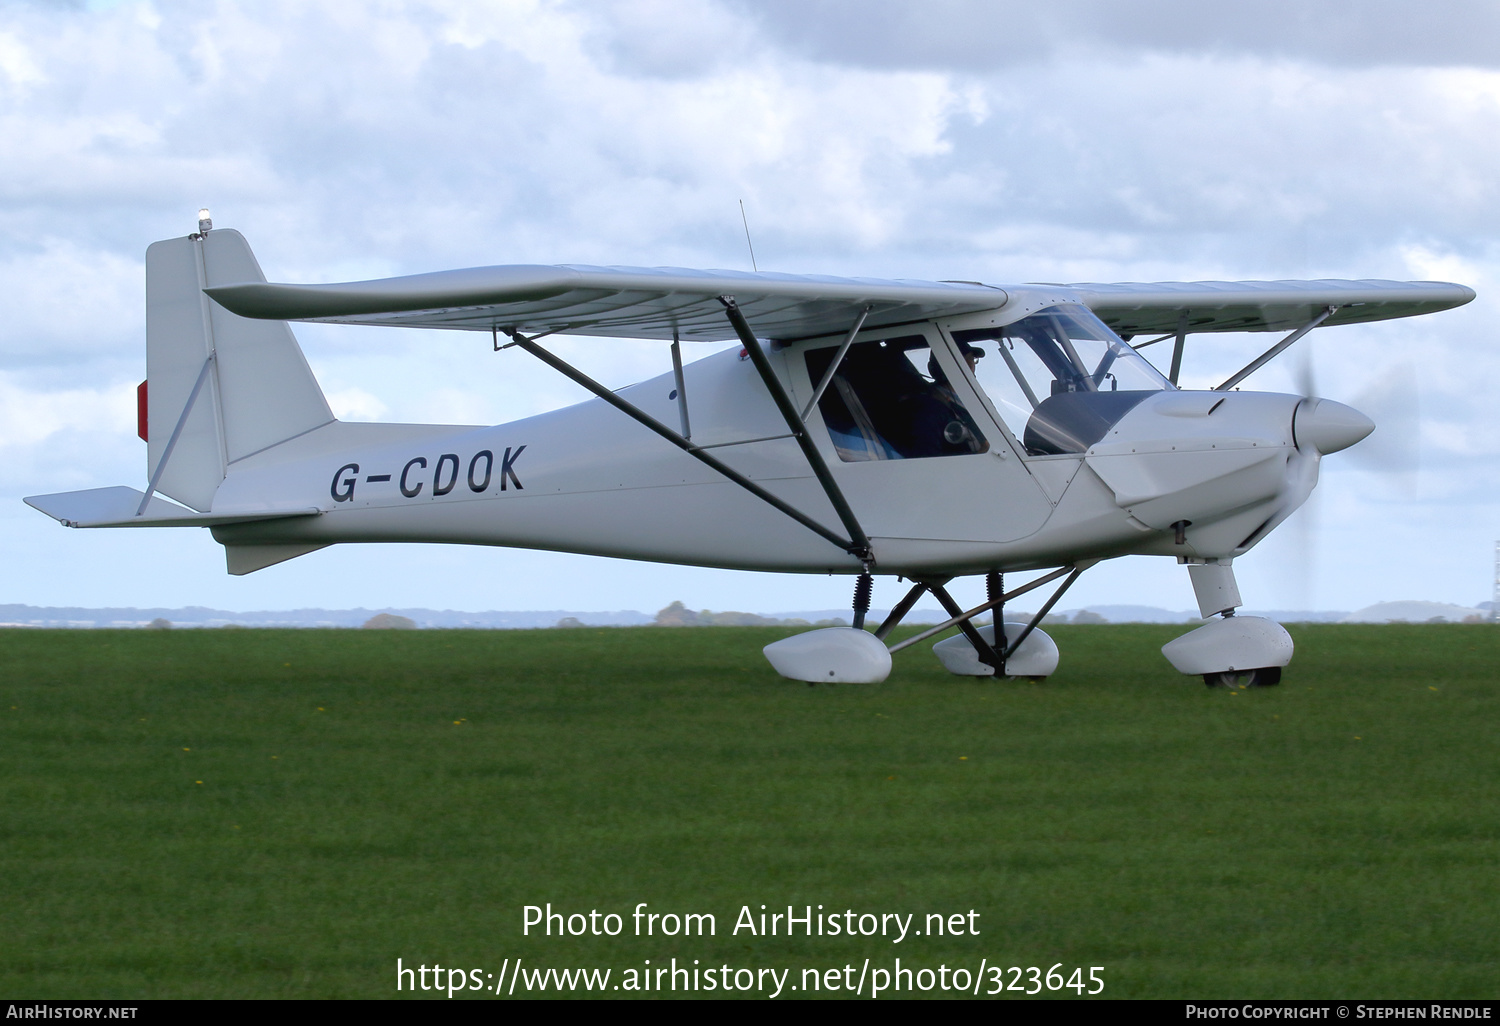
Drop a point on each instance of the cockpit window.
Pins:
(891, 400)
(1060, 378)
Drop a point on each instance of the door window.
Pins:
(891, 400)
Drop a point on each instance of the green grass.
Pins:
(369, 795)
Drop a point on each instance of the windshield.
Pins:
(1059, 378)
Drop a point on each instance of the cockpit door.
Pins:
(912, 445)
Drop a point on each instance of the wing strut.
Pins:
(833, 367)
(859, 547)
(682, 407)
(1138, 346)
(1177, 347)
(1270, 354)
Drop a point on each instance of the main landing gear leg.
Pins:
(839, 655)
(1021, 650)
(983, 647)
(1231, 651)
(862, 587)
(899, 613)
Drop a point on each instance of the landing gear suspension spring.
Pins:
(862, 587)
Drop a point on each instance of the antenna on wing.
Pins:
(744, 220)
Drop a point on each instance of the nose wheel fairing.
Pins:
(1231, 645)
(1231, 651)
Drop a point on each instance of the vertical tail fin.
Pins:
(221, 387)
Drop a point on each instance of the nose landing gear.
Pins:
(1232, 651)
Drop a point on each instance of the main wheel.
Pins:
(1263, 677)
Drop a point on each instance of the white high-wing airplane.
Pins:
(922, 430)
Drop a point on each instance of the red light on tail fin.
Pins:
(140, 411)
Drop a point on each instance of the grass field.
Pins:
(259, 813)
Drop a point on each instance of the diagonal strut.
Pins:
(798, 428)
(854, 548)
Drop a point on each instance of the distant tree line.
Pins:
(679, 615)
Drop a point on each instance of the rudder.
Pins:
(220, 387)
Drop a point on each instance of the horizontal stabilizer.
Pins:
(117, 507)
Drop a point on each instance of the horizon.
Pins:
(308, 617)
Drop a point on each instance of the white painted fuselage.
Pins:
(588, 479)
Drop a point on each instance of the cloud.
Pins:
(993, 35)
(58, 439)
(73, 310)
(995, 141)
(29, 416)
(355, 404)
(16, 65)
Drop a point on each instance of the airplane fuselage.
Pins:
(587, 479)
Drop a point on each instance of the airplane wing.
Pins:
(631, 302)
(622, 302)
(1133, 308)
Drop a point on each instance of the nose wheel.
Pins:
(1234, 652)
(1239, 680)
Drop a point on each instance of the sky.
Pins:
(987, 140)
